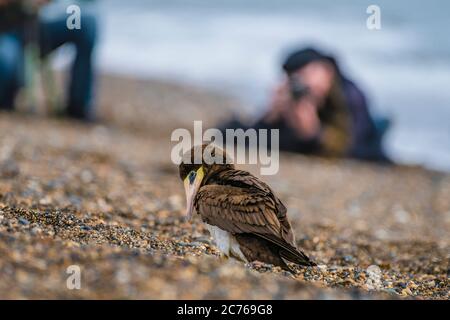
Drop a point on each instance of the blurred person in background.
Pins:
(20, 24)
(319, 111)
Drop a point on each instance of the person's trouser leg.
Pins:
(55, 33)
(11, 62)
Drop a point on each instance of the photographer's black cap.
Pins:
(300, 58)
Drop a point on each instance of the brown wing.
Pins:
(256, 248)
(244, 179)
(247, 211)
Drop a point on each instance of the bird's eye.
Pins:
(192, 176)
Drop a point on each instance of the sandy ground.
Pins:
(107, 198)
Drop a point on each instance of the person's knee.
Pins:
(87, 35)
(10, 53)
(10, 69)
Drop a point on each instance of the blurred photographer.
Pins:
(21, 24)
(319, 111)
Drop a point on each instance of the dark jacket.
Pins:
(366, 137)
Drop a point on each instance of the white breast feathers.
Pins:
(226, 242)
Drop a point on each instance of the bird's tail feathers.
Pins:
(296, 257)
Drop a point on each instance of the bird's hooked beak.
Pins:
(192, 183)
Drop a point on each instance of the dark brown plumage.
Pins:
(245, 207)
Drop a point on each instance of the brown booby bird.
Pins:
(245, 218)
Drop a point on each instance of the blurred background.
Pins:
(102, 192)
(236, 47)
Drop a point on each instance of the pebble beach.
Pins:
(105, 197)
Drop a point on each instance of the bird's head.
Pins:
(197, 165)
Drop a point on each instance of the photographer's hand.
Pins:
(280, 102)
(301, 115)
(304, 119)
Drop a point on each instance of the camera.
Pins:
(297, 88)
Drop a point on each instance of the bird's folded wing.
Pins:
(240, 210)
(244, 179)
